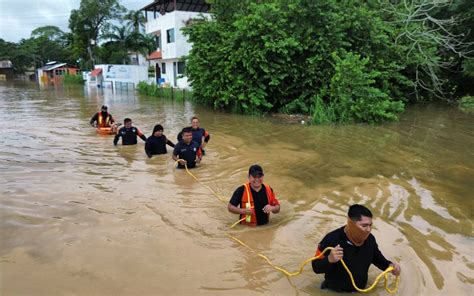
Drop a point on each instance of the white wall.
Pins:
(177, 20)
(123, 73)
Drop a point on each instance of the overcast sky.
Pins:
(19, 17)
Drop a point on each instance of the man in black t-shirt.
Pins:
(254, 200)
(187, 152)
(128, 133)
(357, 246)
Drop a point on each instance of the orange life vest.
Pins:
(247, 197)
(101, 122)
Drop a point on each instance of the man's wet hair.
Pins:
(357, 211)
(127, 120)
(194, 117)
(187, 130)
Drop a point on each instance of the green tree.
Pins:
(138, 43)
(286, 55)
(87, 23)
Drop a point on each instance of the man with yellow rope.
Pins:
(357, 247)
(254, 201)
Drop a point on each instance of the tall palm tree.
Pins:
(119, 35)
(136, 19)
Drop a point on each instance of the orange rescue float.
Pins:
(106, 130)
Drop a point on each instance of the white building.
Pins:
(165, 19)
(117, 77)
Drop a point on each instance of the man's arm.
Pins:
(205, 139)
(169, 142)
(324, 262)
(274, 204)
(234, 203)
(94, 119)
(148, 149)
(175, 155)
(141, 135)
(116, 138)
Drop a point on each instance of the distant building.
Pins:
(117, 77)
(6, 70)
(165, 19)
(54, 72)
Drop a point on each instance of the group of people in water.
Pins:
(188, 151)
(255, 201)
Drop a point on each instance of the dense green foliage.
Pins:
(154, 90)
(466, 104)
(348, 61)
(73, 79)
(46, 44)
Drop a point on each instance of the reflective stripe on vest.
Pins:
(247, 197)
(100, 120)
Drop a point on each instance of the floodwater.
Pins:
(79, 216)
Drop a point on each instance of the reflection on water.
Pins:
(79, 215)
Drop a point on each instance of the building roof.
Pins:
(53, 65)
(6, 64)
(164, 6)
(156, 55)
(96, 72)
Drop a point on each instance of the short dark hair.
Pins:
(187, 130)
(357, 211)
(194, 117)
(157, 127)
(127, 120)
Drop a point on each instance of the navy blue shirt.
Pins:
(187, 152)
(197, 135)
(129, 135)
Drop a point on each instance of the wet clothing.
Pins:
(260, 200)
(129, 135)
(187, 152)
(157, 145)
(198, 134)
(103, 119)
(357, 259)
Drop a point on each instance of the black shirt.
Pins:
(129, 135)
(187, 152)
(157, 145)
(260, 200)
(357, 259)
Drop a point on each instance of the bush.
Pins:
(155, 90)
(73, 79)
(466, 104)
(352, 96)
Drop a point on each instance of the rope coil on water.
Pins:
(296, 273)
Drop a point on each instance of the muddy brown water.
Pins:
(79, 216)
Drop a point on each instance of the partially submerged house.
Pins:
(6, 70)
(53, 72)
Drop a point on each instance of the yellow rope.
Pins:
(291, 274)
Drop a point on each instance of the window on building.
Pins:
(181, 67)
(170, 35)
(163, 68)
(158, 41)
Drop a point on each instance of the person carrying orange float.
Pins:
(102, 119)
(254, 200)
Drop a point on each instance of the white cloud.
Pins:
(19, 17)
